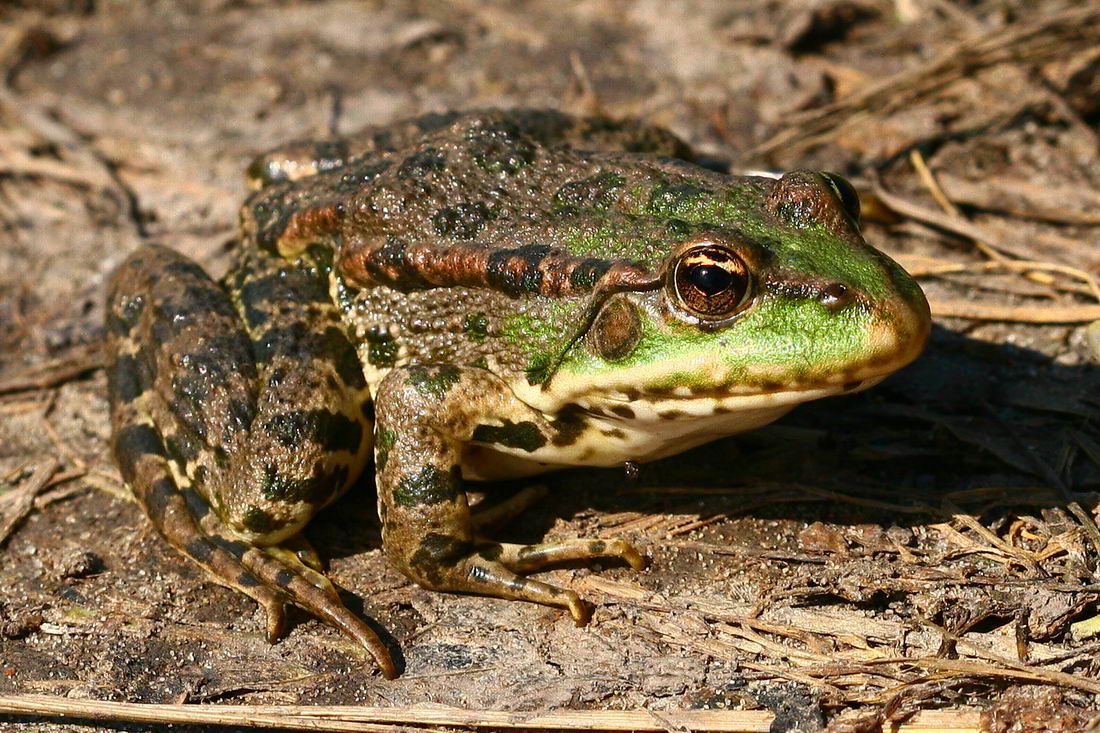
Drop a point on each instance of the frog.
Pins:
(472, 296)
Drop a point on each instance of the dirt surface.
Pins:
(929, 544)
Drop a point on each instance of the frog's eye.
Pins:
(844, 191)
(710, 282)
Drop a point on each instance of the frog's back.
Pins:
(491, 193)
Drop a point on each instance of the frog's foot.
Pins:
(494, 569)
(274, 576)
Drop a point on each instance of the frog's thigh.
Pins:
(310, 434)
(426, 414)
(202, 416)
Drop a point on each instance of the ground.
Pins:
(930, 544)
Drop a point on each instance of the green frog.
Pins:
(474, 296)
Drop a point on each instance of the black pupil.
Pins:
(710, 279)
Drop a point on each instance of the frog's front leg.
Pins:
(426, 415)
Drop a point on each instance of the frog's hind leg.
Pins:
(201, 426)
(142, 459)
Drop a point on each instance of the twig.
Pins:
(961, 308)
(22, 499)
(383, 720)
(53, 373)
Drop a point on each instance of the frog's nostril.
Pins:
(835, 296)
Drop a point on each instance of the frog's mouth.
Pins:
(704, 385)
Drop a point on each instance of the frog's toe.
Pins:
(275, 611)
(282, 566)
(528, 558)
(484, 574)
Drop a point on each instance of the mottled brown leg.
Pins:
(426, 414)
(186, 408)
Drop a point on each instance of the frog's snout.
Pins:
(900, 327)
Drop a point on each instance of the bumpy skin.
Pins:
(499, 293)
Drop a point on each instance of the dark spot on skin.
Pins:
(255, 317)
(422, 162)
(677, 228)
(200, 549)
(281, 488)
(183, 269)
(523, 435)
(129, 312)
(381, 348)
(430, 486)
(476, 326)
(384, 441)
(632, 394)
(623, 411)
(516, 271)
(283, 578)
(240, 415)
(345, 358)
(462, 221)
(284, 287)
(247, 580)
(257, 520)
(599, 192)
(197, 506)
(320, 256)
(568, 426)
(615, 433)
(497, 146)
(334, 430)
(124, 380)
(616, 330)
(596, 547)
(159, 496)
(671, 414)
(366, 409)
(436, 553)
(181, 448)
(433, 381)
(133, 442)
(234, 548)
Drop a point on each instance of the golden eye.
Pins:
(710, 282)
(844, 191)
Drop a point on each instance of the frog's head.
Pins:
(766, 297)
